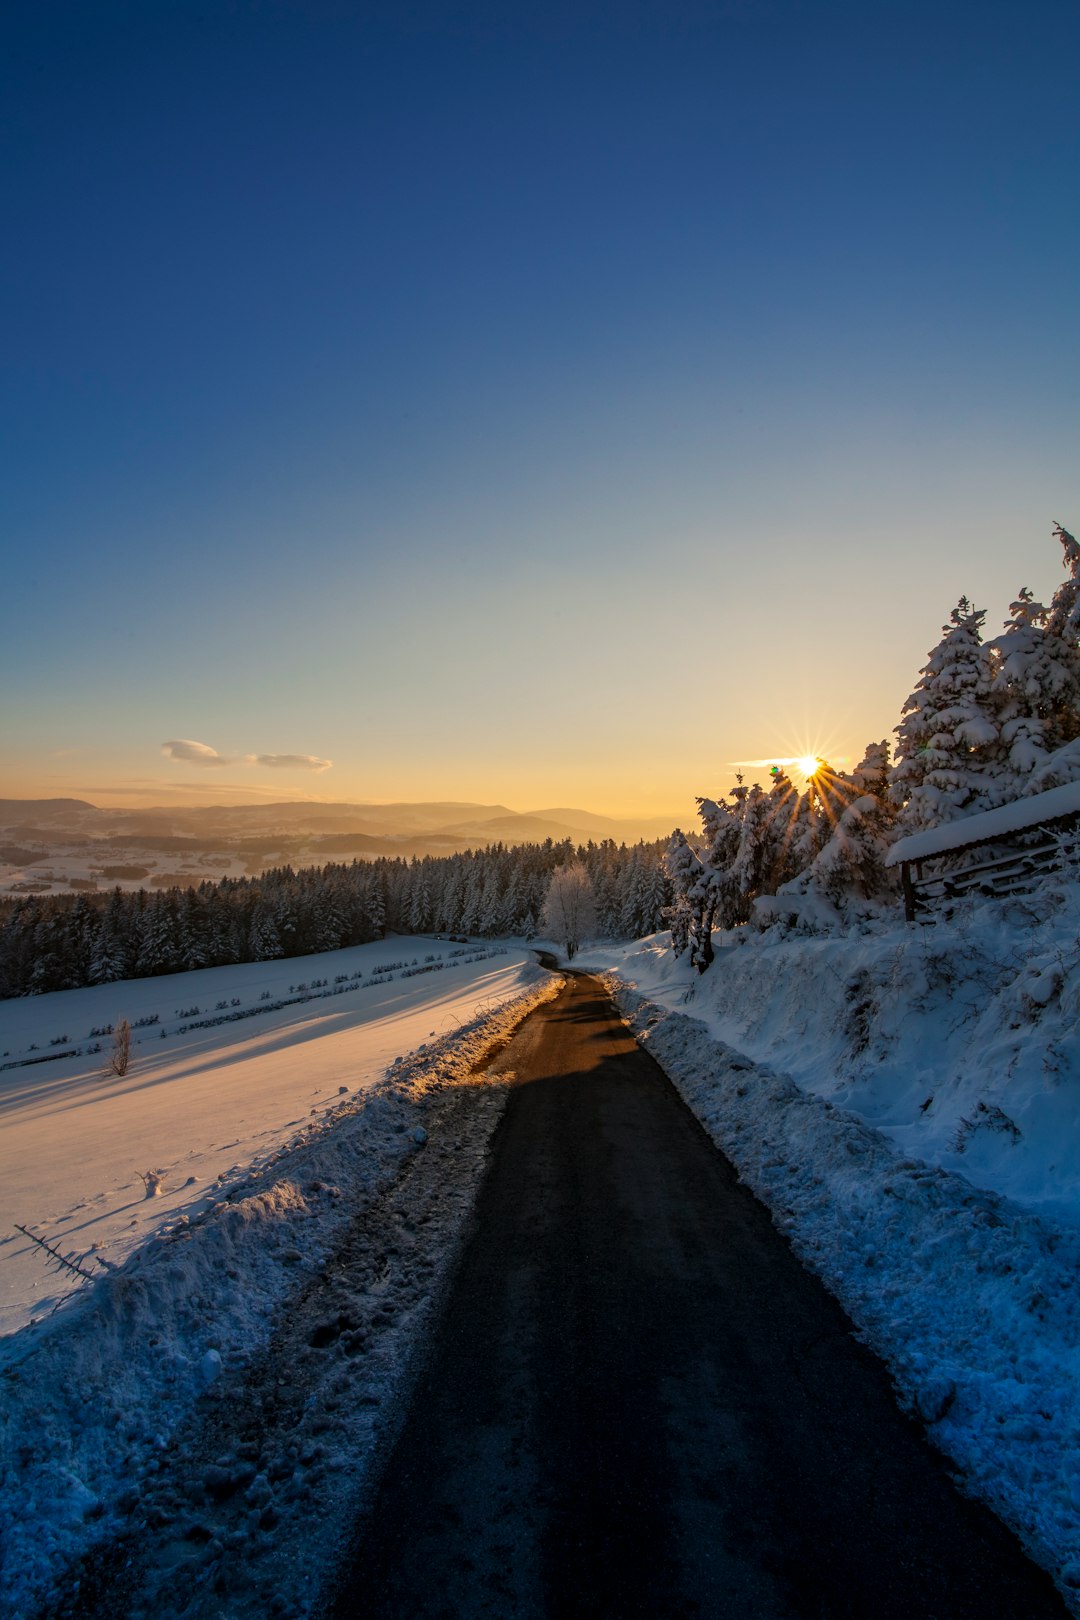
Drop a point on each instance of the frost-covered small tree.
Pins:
(945, 755)
(570, 907)
(120, 1056)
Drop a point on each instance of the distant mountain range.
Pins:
(50, 844)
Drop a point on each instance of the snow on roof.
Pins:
(989, 824)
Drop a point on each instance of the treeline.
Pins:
(60, 942)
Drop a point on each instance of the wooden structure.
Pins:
(1027, 836)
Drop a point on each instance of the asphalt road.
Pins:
(638, 1402)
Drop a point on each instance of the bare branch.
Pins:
(72, 1263)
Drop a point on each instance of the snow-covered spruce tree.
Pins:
(655, 894)
(749, 873)
(264, 944)
(191, 943)
(110, 959)
(473, 901)
(1064, 617)
(1025, 670)
(711, 889)
(570, 907)
(788, 835)
(515, 904)
(492, 911)
(684, 915)
(871, 775)
(47, 970)
(420, 908)
(722, 828)
(945, 756)
(1039, 684)
(762, 840)
(82, 933)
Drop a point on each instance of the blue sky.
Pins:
(544, 408)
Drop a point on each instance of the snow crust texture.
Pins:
(239, 1332)
(970, 1299)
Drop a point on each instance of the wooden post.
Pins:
(909, 892)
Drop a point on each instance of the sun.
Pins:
(804, 771)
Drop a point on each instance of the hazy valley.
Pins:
(57, 846)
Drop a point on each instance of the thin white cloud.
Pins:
(777, 759)
(193, 753)
(782, 759)
(292, 762)
(188, 752)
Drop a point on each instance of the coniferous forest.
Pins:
(61, 942)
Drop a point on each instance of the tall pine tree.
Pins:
(945, 756)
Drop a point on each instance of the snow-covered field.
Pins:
(105, 1412)
(202, 1106)
(71, 868)
(906, 1103)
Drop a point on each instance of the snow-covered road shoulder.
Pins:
(970, 1299)
(96, 1399)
